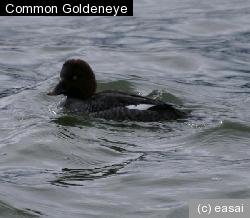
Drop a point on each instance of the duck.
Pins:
(78, 84)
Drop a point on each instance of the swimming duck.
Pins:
(78, 83)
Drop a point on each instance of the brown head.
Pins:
(77, 80)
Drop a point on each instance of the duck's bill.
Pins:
(58, 90)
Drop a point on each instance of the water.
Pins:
(191, 53)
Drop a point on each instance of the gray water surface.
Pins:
(195, 54)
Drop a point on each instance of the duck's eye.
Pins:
(74, 77)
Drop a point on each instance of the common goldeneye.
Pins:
(78, 83)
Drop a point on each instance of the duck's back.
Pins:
(116, 105)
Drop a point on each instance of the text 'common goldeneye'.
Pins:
(78, 83)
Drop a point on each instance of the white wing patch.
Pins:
(141, 107)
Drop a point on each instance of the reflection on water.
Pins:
(7, 210)
(76, 177)
(193, 54)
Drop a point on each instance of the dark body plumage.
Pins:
(112, 105)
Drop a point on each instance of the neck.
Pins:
(82, 98)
